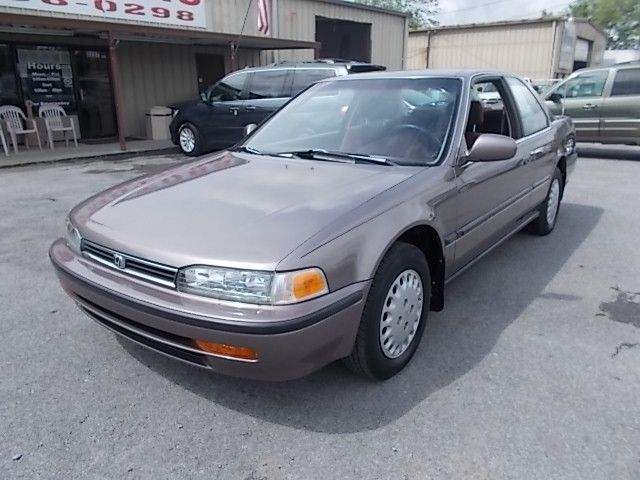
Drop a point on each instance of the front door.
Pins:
(93, 94)
(491, 195)
(220, 117)
(582, 101)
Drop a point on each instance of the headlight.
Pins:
(73, 236)
(247, 286)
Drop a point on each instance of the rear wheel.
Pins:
(549, 208)
(189, 140)
(394, 315)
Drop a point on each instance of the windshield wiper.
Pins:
(321, 154)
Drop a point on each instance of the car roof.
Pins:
(325, 63)
(452, 73)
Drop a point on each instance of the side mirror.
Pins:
(490, 147)
(479, 89)
(248, 129)
(555, 97)
(203, 97)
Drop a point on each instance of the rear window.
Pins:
(627, 82)
(302, 78)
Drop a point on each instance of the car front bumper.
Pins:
(291, 341)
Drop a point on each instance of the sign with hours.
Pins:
(176, 13)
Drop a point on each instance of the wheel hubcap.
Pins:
(553, 202)
(187, 139)
(401, 314)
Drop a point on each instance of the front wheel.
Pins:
(548, 209)
(394, 315)
(189, 140)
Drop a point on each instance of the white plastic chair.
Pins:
(17, 125)
(54, 119)
(4, 142)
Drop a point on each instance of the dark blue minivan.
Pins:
(217, 119)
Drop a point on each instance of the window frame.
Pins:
(518, 113)
(243, 91)
(562, 87)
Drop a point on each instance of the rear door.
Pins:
(583, 100)
(620, 114)
(536, 142)
(491, 195)
(267, 91)
(221, 122)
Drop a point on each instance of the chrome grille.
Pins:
(137, 267)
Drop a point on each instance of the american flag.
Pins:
(263, 16)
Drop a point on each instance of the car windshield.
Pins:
(407, 121)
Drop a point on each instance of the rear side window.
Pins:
(269, 84)
(532, 114)
(228, 89)
(305, 77)
(626, 82)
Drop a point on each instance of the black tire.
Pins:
(197, 145)
(368, 358)
(543, 225)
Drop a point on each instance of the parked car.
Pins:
(604, 103)
(489, 96)
(311, 242)
(217, 119)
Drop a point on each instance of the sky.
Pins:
(480, 11)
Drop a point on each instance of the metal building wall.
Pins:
(296, 20)
(162, 74)
(525, 49)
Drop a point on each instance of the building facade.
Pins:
(107, 62)
(540, 49)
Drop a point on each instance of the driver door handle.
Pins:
(250, 108)
(589, 106)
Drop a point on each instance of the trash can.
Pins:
(158, 120)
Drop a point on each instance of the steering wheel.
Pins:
(428, 139)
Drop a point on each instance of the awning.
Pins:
(136, 32)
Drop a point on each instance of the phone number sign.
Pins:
(184, 13)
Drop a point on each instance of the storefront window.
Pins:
(8, 84)
(46, 76)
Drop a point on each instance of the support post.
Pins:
(117, 90)
(234, 58)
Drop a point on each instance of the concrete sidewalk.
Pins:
(83, 151)
(618, 152)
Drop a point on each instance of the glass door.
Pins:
(93, 91)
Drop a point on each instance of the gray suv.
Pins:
(217, 119)
(604, 103)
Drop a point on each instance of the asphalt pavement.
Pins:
(532, 371)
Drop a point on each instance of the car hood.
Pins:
(232, 209)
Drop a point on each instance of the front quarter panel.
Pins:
(351, 249)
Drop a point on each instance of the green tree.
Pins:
(619, 18)
(421, 12)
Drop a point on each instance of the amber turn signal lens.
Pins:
(243, 353)
(308, 283)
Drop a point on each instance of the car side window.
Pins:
(304, 77)
(228, 89)
(588, 84)
(268, 84)
(626, 82)
(532, 115)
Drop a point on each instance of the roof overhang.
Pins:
(147, 33)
